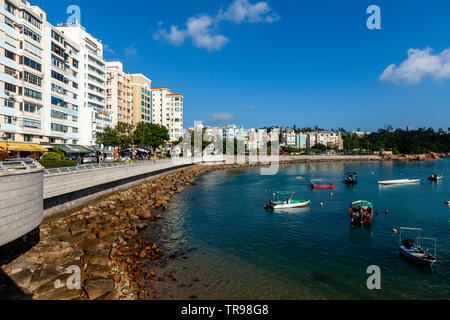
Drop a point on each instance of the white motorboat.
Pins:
(397, 182)
(289, 203)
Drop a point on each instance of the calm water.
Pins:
(244, 252)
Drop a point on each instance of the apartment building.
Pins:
(300, 141)
(61, 90)
(94, 117)
(119, 94)
(326, 138)
(142, 98)
(167, 110)
(21, 71)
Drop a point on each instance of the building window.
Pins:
(33, 35)
(31, 19)
(31, 78)
(30, 107)
(10, 104)
(31, 123)
(10, 87)
(10, 8)
(32, 94)
(10, 55)
(59, 115)
(32, 64)
(27, 138)
(59, 127)
(59, 102)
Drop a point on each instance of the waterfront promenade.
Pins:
(94, 218)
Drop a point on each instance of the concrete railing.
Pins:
(21, 201)
(57, 184)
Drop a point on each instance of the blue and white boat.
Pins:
(413, 251)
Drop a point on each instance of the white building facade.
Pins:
(167, 110)
(94, 117)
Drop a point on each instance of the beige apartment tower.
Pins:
(142, 98)
(119, 94)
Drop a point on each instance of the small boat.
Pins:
(279, 203)
(436, 177)
(448, 203)
(397, 182)
(352, 178)
(321, 187)
(361, 212)
(413, 251)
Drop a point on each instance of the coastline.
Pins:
(103, 240)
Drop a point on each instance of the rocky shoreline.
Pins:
(417, 157)
(102, 241)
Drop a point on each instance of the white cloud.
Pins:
(202, 29)
(175, 36)
(241, 11)
(108, 49)
(419, 65)
(131, 51)
(222, 117)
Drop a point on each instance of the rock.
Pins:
(77, 228)
(104, 234)
(97, 288)
(97, 271)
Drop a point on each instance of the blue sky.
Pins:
(284, 62)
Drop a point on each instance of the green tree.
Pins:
(150, 135)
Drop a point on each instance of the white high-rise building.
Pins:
(94, 117)
(21, 71)
(167, 110)
(61, 91)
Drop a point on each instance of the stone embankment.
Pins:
(102, 241)
(417, 157)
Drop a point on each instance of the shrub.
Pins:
(57, 163)
(61, 154)
(51, 156)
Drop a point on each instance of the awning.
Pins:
(26, 147)
(72, 149)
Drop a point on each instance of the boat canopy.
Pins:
(362, 203)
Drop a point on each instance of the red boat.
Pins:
(319, 187)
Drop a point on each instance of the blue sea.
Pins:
(240, 251)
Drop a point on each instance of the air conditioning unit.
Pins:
(7, 93)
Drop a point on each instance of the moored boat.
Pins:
(352, 178)
(413, 251)
(279, 204)
(398, 182)
(436, 177)
(361, 212)
(319, 187)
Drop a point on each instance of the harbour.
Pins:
(244, 252)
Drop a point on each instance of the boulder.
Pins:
(97, 288)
